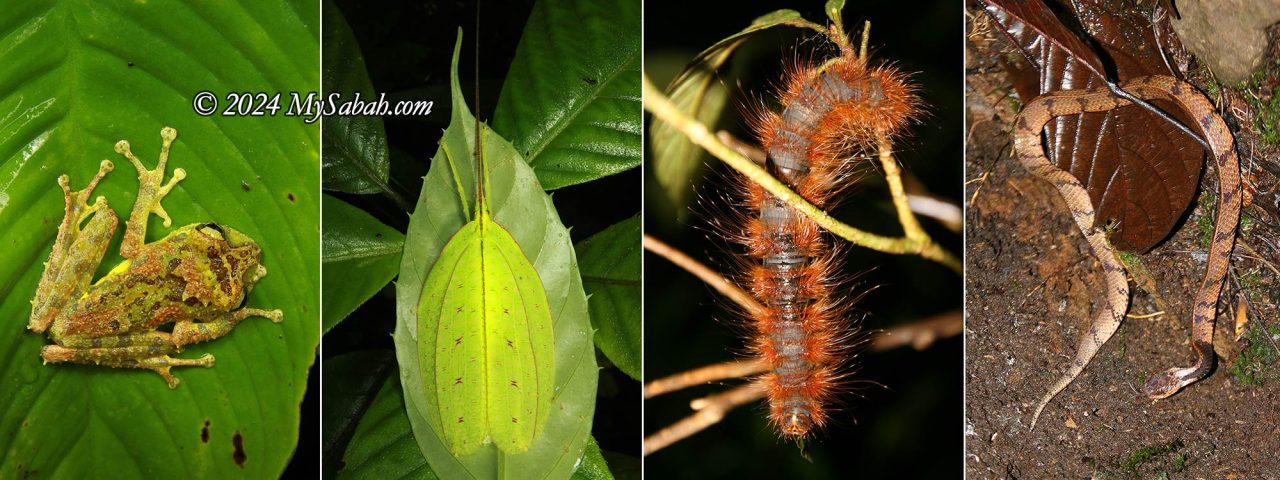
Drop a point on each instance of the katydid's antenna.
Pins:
(480, 179)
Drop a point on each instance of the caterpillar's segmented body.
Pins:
(831, 115)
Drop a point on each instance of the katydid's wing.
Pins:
(520, 356)
(484, 337)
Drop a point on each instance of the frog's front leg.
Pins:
(151, 190)
(151, 357)
(76, 252)
(188, 332)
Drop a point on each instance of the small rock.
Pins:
(1229, 36)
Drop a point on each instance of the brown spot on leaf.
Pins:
(204, 432)
(244, 185)
(238, 442)
(292, 199)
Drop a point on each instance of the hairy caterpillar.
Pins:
(831, 115)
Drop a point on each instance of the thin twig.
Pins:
(713, 410)
(921, 333)
(703, 272)
(947, 214)
(661, 107)
(698, 376)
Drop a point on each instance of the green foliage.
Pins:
(1146, 456)
(611, 275)
(355, 147)
(521, 206)
(75, 77)
(351, 381)
(1204, 224)
(571, 101)
(361, 255)
(568, 104)
(1256, 362)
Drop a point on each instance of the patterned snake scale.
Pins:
(1027, 141)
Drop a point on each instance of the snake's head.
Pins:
(1169, 382)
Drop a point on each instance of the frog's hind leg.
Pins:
(151, 190)
(76, 252)
(150, 357)
(188, 332)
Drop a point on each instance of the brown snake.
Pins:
(1027, 141)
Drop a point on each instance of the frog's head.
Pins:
(240, 254)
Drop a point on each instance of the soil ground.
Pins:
(1032, 289)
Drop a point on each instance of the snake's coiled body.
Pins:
(1030, 150)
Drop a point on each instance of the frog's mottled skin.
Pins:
(196, 278)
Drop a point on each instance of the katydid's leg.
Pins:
(76, 252)
(188, 332)
(151, 190)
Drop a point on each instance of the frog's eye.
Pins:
(213, 230)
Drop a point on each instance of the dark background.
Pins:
(407, 47)
(905, 419)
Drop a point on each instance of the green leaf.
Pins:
(833, 9)
(355, 147)
(521, 206)
(361, 255)
(484, 341)
(698, 93)
(75, 77)
(351, 381)
(611, 275)
(593, 466)
(571, 101)
(383, 445)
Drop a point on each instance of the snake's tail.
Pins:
(1088, 347)
(1102, 328)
